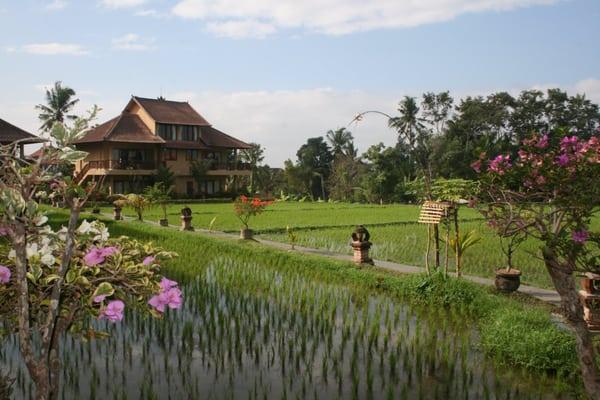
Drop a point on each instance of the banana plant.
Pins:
(465, 242)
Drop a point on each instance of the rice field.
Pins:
(394, 232)
(250, 331)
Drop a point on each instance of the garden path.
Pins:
(548, 296)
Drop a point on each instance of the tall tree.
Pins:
(436, 110)
(408, 125)
(340, 140)
(253, 156)
(59, 101)
(315, 158)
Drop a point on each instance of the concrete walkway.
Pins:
(548, 296)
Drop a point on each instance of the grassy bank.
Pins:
(515, 330)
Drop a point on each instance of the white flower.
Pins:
(48, 259)
(62, 234)
(102, 235)
(32, 250)
(84, 227)
(40, 220)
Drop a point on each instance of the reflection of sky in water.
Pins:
(252, 333)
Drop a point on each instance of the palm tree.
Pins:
(59, 101)
(341, 141)
(408, 124)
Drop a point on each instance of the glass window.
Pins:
(191, 155)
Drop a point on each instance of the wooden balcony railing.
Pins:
(229, 166)
(121, 164)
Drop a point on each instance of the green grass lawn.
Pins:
(394, 232)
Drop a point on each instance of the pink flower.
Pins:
(148, 260)
(500, 164)
(580, 236)
(97, 256)
(169, 296)
(109, 251)
(3, 231)
(563, 160)
(100, 298)
(113, 311)
(166, 284)
(543, 143)
(4, 274)
(476, 166)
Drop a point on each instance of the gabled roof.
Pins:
(10, 133)
(126, 127)
(215, 138)
(171, 112)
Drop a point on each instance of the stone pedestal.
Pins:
(186, 223)
(361, 252)
(590, 299)
(117, 213)
(246, 234)
(186, 219)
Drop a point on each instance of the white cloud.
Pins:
(122, 3)
(591, 88)
(54, 49)
(56, 5)
(334, 17)
(132, 42)
(241, 29)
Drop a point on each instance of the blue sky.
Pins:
(280, 71)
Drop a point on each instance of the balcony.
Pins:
(229, 166)
(123, 165)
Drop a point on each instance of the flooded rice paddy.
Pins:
(250, 332)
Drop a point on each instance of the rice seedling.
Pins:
(272, 327)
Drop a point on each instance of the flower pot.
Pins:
(507, 281)
(117, 213)
(590, 283)
(246, 234)
(96, 211)
(163, 222)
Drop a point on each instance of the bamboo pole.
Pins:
(436, 234)
(428, 249)
(457, 244)
(447, 223)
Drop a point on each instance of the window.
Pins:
(191, 155)
(188, 133)
(169, 154)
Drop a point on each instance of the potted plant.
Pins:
(508, 279)
(159, 194)
(245, 209)
(117, 208)
(137, 202)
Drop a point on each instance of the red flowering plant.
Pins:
(549, 191)
(246, 208)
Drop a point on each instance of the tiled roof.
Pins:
(10, 133)
(171, 112)
(125, 128)
(215, 138)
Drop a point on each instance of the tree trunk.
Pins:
(564, 282)
(436, 244)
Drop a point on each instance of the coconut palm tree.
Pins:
(59, 101)
(408, 124)
(341, 141)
